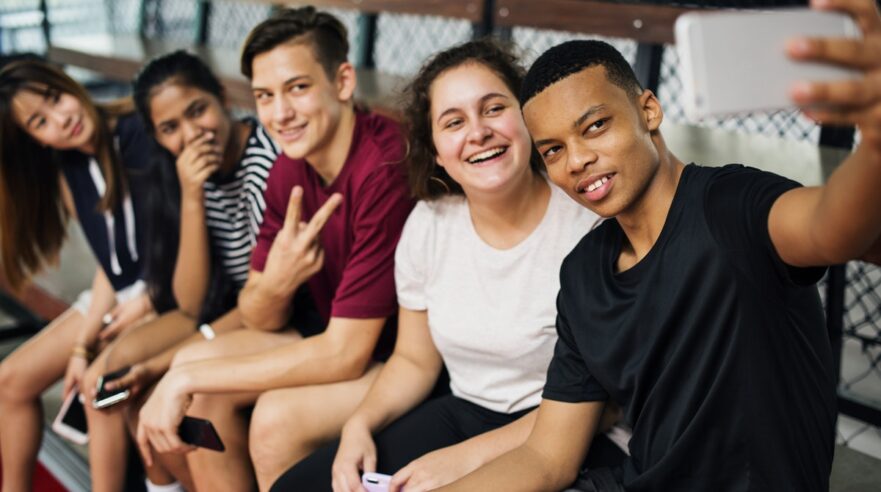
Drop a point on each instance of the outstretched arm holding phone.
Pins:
(841, 220)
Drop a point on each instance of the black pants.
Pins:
(433, 425)
(598, 480)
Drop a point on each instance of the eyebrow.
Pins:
(482, 100)
(192, 105)
(587, 114)
(186, 110)
(285, 84)
(591, 111)
(45, 95)
(30, 120)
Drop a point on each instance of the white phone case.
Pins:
(735, 61)
(70, 433)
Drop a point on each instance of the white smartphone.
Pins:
(376, 482)
(71, 420)
(735, 61)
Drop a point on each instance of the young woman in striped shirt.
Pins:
(215, 210)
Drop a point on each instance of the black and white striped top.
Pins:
(234, 204)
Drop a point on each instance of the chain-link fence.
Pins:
(20, 27)
(533, 42)
(405, 41)
(861, 354)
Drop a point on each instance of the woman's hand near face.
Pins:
(199, 159)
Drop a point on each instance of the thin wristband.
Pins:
(80, 351)
(207, 332)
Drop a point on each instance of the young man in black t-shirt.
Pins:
(695, 307)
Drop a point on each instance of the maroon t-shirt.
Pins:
(359, 240)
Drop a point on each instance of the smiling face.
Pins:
(477, 129)
(54, 119)
(596, 139)
(296, 102)
(181, 114)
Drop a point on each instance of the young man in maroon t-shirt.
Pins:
(336, 201)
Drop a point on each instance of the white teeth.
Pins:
(596, 184)
(486, 154)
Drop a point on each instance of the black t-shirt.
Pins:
(715, 348)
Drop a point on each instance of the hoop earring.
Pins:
(443, 184)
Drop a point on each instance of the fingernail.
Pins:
(799, 46)
(297, 191)
(107, 319)
(801, 90)
(820, 3)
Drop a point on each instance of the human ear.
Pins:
(652, 112)
(345, 81)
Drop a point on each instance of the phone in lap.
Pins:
(71, 420)
(201, 433)
(105, 398)
(735, 61)
(376, 482)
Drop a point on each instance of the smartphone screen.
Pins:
(71, 420)
(200, 432)
(75, 417)
(105, 398)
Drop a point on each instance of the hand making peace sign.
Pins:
(296, 252)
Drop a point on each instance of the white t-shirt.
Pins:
(491, 312)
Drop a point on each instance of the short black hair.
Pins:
(571, 57)
(323, 32)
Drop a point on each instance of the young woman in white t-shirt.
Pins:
(477, 274)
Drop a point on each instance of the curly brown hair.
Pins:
(428, 180)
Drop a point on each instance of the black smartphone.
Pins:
(105, 398)
(71, 420)
(200, 432)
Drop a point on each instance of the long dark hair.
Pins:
(427, 179)
(184, 69)
(33, 218)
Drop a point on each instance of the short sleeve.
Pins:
(738, 202)
(276, 196)
(367, 287)
(569, 380)
(412, 258)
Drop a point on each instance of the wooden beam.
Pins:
(641, 22)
